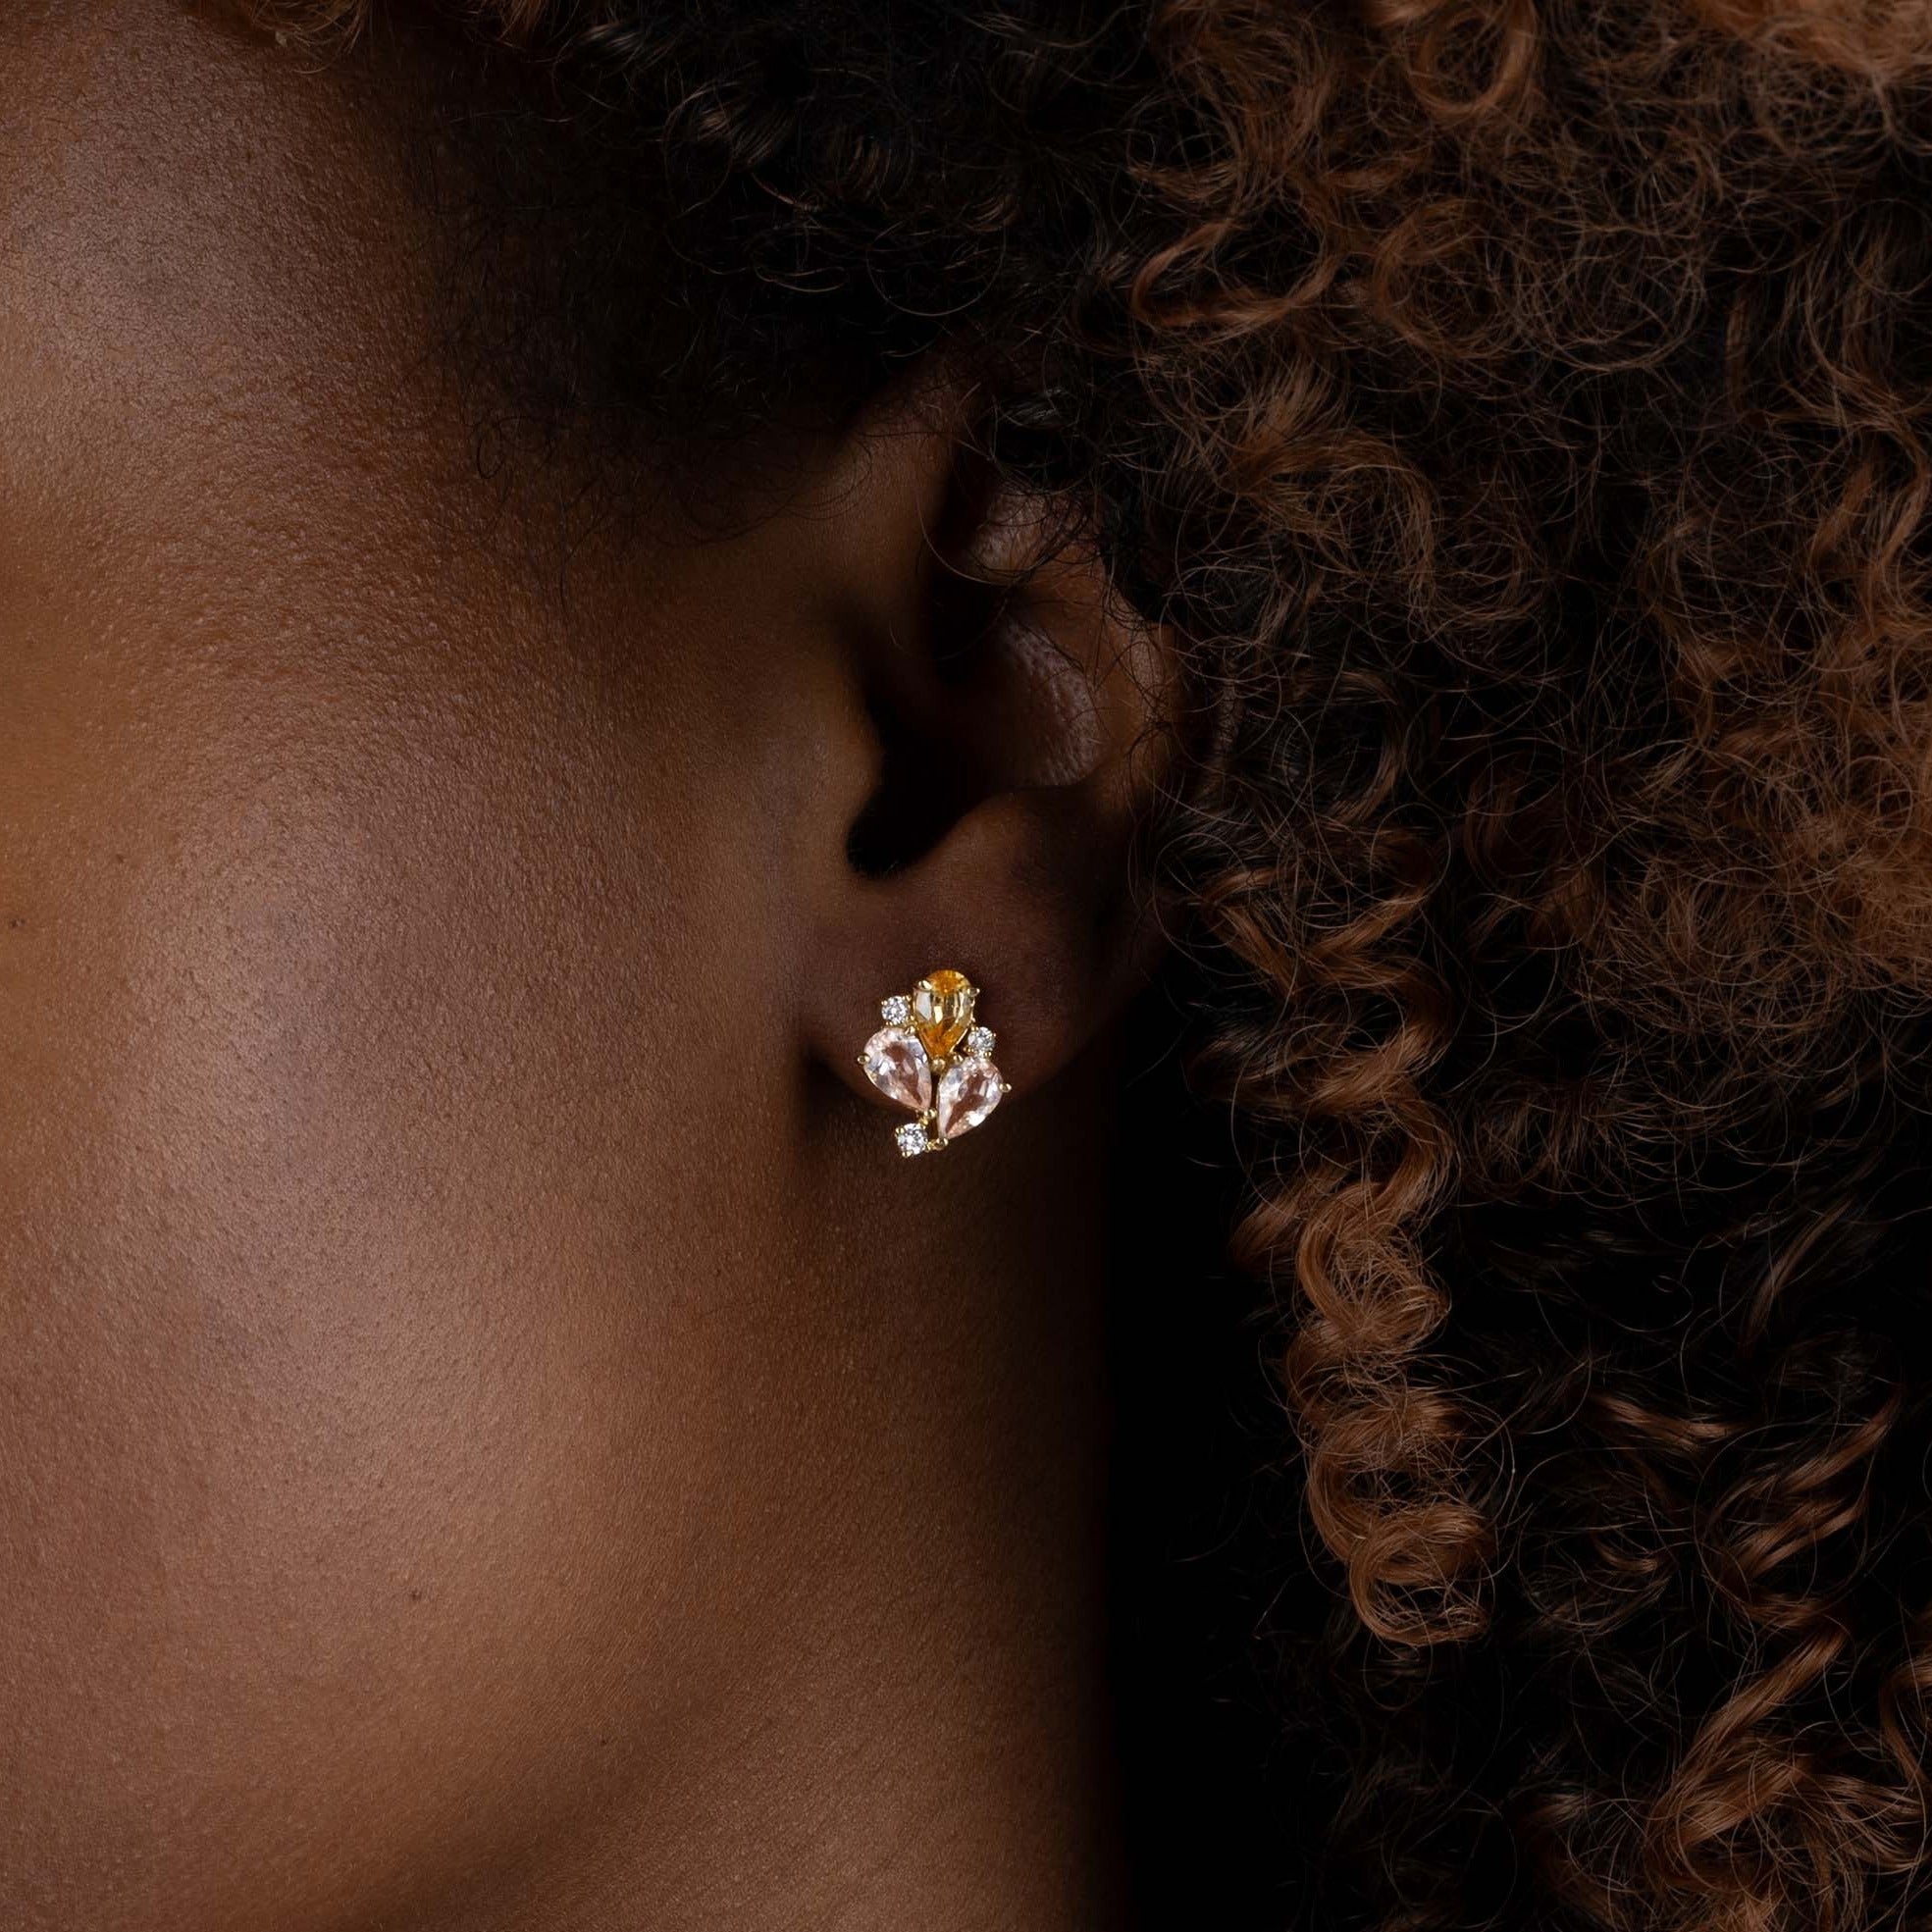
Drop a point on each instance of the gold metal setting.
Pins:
(933, 1058)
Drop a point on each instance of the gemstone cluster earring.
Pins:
(931, 1057)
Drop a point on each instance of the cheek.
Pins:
(363, 1337)
(361, 1385)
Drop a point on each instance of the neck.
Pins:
(895, 1710)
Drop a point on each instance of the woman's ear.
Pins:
(1005, 706)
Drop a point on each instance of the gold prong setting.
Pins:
(933, 1059)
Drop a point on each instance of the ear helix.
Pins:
(932, 1057)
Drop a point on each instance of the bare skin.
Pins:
(490, 1434)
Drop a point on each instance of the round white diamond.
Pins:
(981, 1042)
(910, 1138)
(897, 1011)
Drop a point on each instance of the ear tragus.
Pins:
(999, 703)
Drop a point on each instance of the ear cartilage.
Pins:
(934, 1059)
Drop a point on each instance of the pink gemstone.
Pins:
(896, 1064)
(969, 1092)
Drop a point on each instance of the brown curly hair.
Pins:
(1520, 408)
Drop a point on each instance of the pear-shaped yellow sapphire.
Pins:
(942, 1010)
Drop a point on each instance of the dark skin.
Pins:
(491, 1435)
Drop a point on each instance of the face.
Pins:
(421, 1335)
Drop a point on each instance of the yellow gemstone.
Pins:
(942, 1010)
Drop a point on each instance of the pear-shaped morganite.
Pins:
(969, 1092)
(896, 1064)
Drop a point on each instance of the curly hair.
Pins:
(1520, 410)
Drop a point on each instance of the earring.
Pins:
(931, 1057)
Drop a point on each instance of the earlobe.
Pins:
(1029, 893)
(1015, 746)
